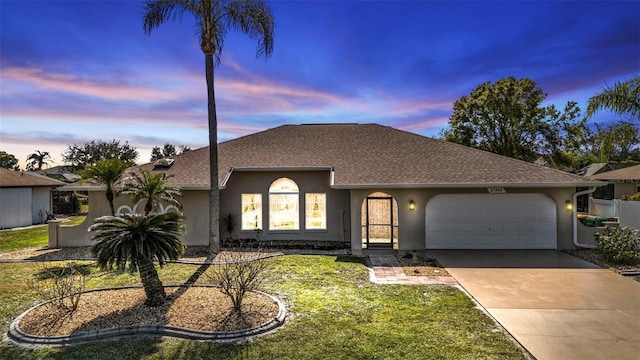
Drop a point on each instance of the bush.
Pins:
(63, 285)
(634, 197)
(619, 244)
(238, 273)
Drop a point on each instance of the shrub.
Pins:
(63, 285)
(239, 273)
(634, 197)
(619, 244)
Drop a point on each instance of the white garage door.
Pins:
(491, 221)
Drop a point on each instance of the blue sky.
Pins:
(74, 71)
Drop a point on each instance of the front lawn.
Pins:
(334, 313)
(31, 237)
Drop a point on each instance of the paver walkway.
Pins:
(387, 270)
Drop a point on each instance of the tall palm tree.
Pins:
(152, 188)
(109, 173)
(37, 160)
(213, 19)
(137, 240)
(622, 98)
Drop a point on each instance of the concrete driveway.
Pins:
(555, 305)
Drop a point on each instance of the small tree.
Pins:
(152, 188)
(63, 285)
(239, 273)
(137, 240)
(109, 173)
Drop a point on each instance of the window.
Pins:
(251, 211)
(283, 205)
(316, 211)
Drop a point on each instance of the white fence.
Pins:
(627, 212)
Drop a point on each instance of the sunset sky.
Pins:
(74, 71)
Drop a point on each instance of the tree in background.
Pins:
(167, 150)
(618, 142)
(622, 98)
(8, 161)
(109, 173)
(507, 118)
(37, 160)
(213, 19)
(152, 188)
(82, 155)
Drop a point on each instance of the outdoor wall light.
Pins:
(568, 205)
(412, 205)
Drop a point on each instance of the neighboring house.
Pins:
(623, 182)
(25, 198)
(64, 202)
(367, 187)
(60, 172)
(597, 169)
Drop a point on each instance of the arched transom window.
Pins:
(284, 199)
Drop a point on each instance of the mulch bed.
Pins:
(196, 308)
(421, 266)
(593, 256)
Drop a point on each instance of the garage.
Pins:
(491, 221)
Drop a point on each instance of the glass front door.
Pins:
(380, 225)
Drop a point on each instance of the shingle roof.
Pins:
(9, 178)
(365, 156)
(631, 174)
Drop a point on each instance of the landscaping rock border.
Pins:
(21, 338)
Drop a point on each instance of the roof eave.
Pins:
(470, 185)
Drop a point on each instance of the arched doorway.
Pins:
(379, 222)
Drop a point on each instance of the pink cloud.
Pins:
(424, 124)
(69, 83)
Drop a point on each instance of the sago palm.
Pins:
(107, 172)
(213, 19)
(151, 188)
(137, 240)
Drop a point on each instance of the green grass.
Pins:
(12, 240)
(32, 237)
(334, 313)
(74, 220)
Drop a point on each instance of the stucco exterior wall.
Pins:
(412, 223)
(620, 189)
(258, 182)
(343, 211)
(15, 207)
(195, 209)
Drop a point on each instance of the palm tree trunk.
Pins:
(214, 193)
(109, 195)
(151, 282)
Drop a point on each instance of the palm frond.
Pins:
(621, 98)
(254, 18)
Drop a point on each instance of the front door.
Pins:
(379, 229)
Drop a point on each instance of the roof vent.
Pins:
(162, 164)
